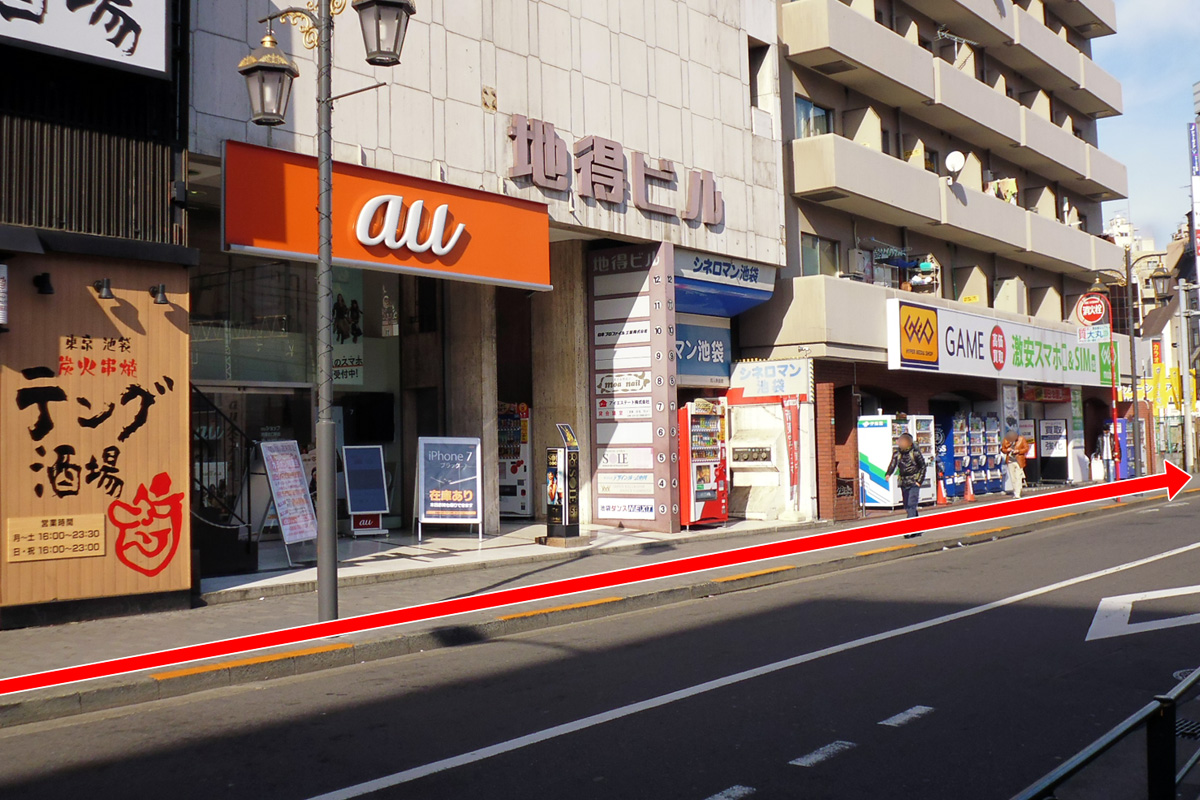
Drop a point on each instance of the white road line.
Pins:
(823, 754)
(733, 793)
(905, 717)
(414, 773)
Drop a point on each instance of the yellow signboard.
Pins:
(51, 538)
(918, 336)
(970, 298)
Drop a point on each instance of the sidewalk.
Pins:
(37, 649)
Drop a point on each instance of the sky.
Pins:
(1156, 56)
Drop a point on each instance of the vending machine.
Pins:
(953, 453)
(703, 488)
(991, 448)
(1125, 466)
(516, 495)
(877, 437)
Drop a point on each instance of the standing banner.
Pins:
(449, 486)
(366, 488)
(289, 489)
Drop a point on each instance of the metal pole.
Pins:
(1134, 365)
(1160, 751)
(327, 553)
(1113, 377)
(1189, 457)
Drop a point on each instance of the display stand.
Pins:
(562, 489)
(448, 488)
(366, 489)
(289, 495)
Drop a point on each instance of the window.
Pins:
(758, 80)
(811, 119)
(885, 137)
(933, 161)
(818, 256)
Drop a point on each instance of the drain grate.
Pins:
(1187, 729)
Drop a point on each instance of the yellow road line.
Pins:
(539, 611)
(885, 550)
(1057, 516)
(242, 662)
(991, 530)
(1112, 505)
(743, 576)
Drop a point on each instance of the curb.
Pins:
(121, 691)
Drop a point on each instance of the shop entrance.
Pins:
(514, 391)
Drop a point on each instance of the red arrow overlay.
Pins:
(1173, 480)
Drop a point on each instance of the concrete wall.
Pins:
(668, 78)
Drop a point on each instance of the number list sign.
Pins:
(634, 375)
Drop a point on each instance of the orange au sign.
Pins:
(382, 220)
(1092, 309)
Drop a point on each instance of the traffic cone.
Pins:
(941, 493)
(970, 496)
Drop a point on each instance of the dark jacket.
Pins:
(910, 467)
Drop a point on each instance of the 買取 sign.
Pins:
(129, 34)
(934, 339)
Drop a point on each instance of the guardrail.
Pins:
(1158, 717)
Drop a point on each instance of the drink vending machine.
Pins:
(987, 475)
(703, 488)
(877, 437)
(516, 496)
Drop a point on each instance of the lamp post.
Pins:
(269, 75)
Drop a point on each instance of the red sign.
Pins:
(367, 522)
(999, 349)
(1156, 351)
(1047, 394)
(1092, 309)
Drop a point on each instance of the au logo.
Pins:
(918, 337)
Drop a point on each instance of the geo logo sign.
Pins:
(918, 337)
(1092, 309)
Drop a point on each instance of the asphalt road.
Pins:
(960, 674)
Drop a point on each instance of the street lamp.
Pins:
(384, 23)
(1163, 283)
(269, 75)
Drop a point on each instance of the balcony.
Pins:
(1107, 178)
(1107, 255)
(1099, 94)
(852, 49)
(840, 174)
(1090, 18)
(1049, 150)
(985, 21)
(971, 110)
(837, 173)
(1039, 54)
(983, 222)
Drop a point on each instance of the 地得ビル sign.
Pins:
(790, 377)
(115, 33)
(952, 342)
(382, 220)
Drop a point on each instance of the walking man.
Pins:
(909, 465)
(1014, 447)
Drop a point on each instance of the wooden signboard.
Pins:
(94, 496)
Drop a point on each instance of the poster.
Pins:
(556, 481)
(1053, 438)
(389, 319)
(448, 482)
(366, 480)
(1012, 411)
(348, 321)
(289, 489)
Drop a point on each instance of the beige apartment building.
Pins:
(942, 161)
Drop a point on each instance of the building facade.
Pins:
(648, 139)
(94, 310)
(942, 156)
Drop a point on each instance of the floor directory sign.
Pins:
(289, 489)
(449, 487)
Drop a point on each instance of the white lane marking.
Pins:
(1112, 615)
(905, 717)
(823, 754)
(412, 774)
(733, 793)
(1149, 511)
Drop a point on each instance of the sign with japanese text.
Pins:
(635, 420)
(96, 405)
(789, 377)
(703, 351)
(602, 172)
(449, 487)
(1046, 394)
(382, 220)
(348, 321)
(954, 342)
(289, 489)
(724, 269)
(45, 539)
(1092, 309)
(1052, 434)
(129, 34)
(1095, 333)
(1194, 151)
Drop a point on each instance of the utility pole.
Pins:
(1185, 378)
